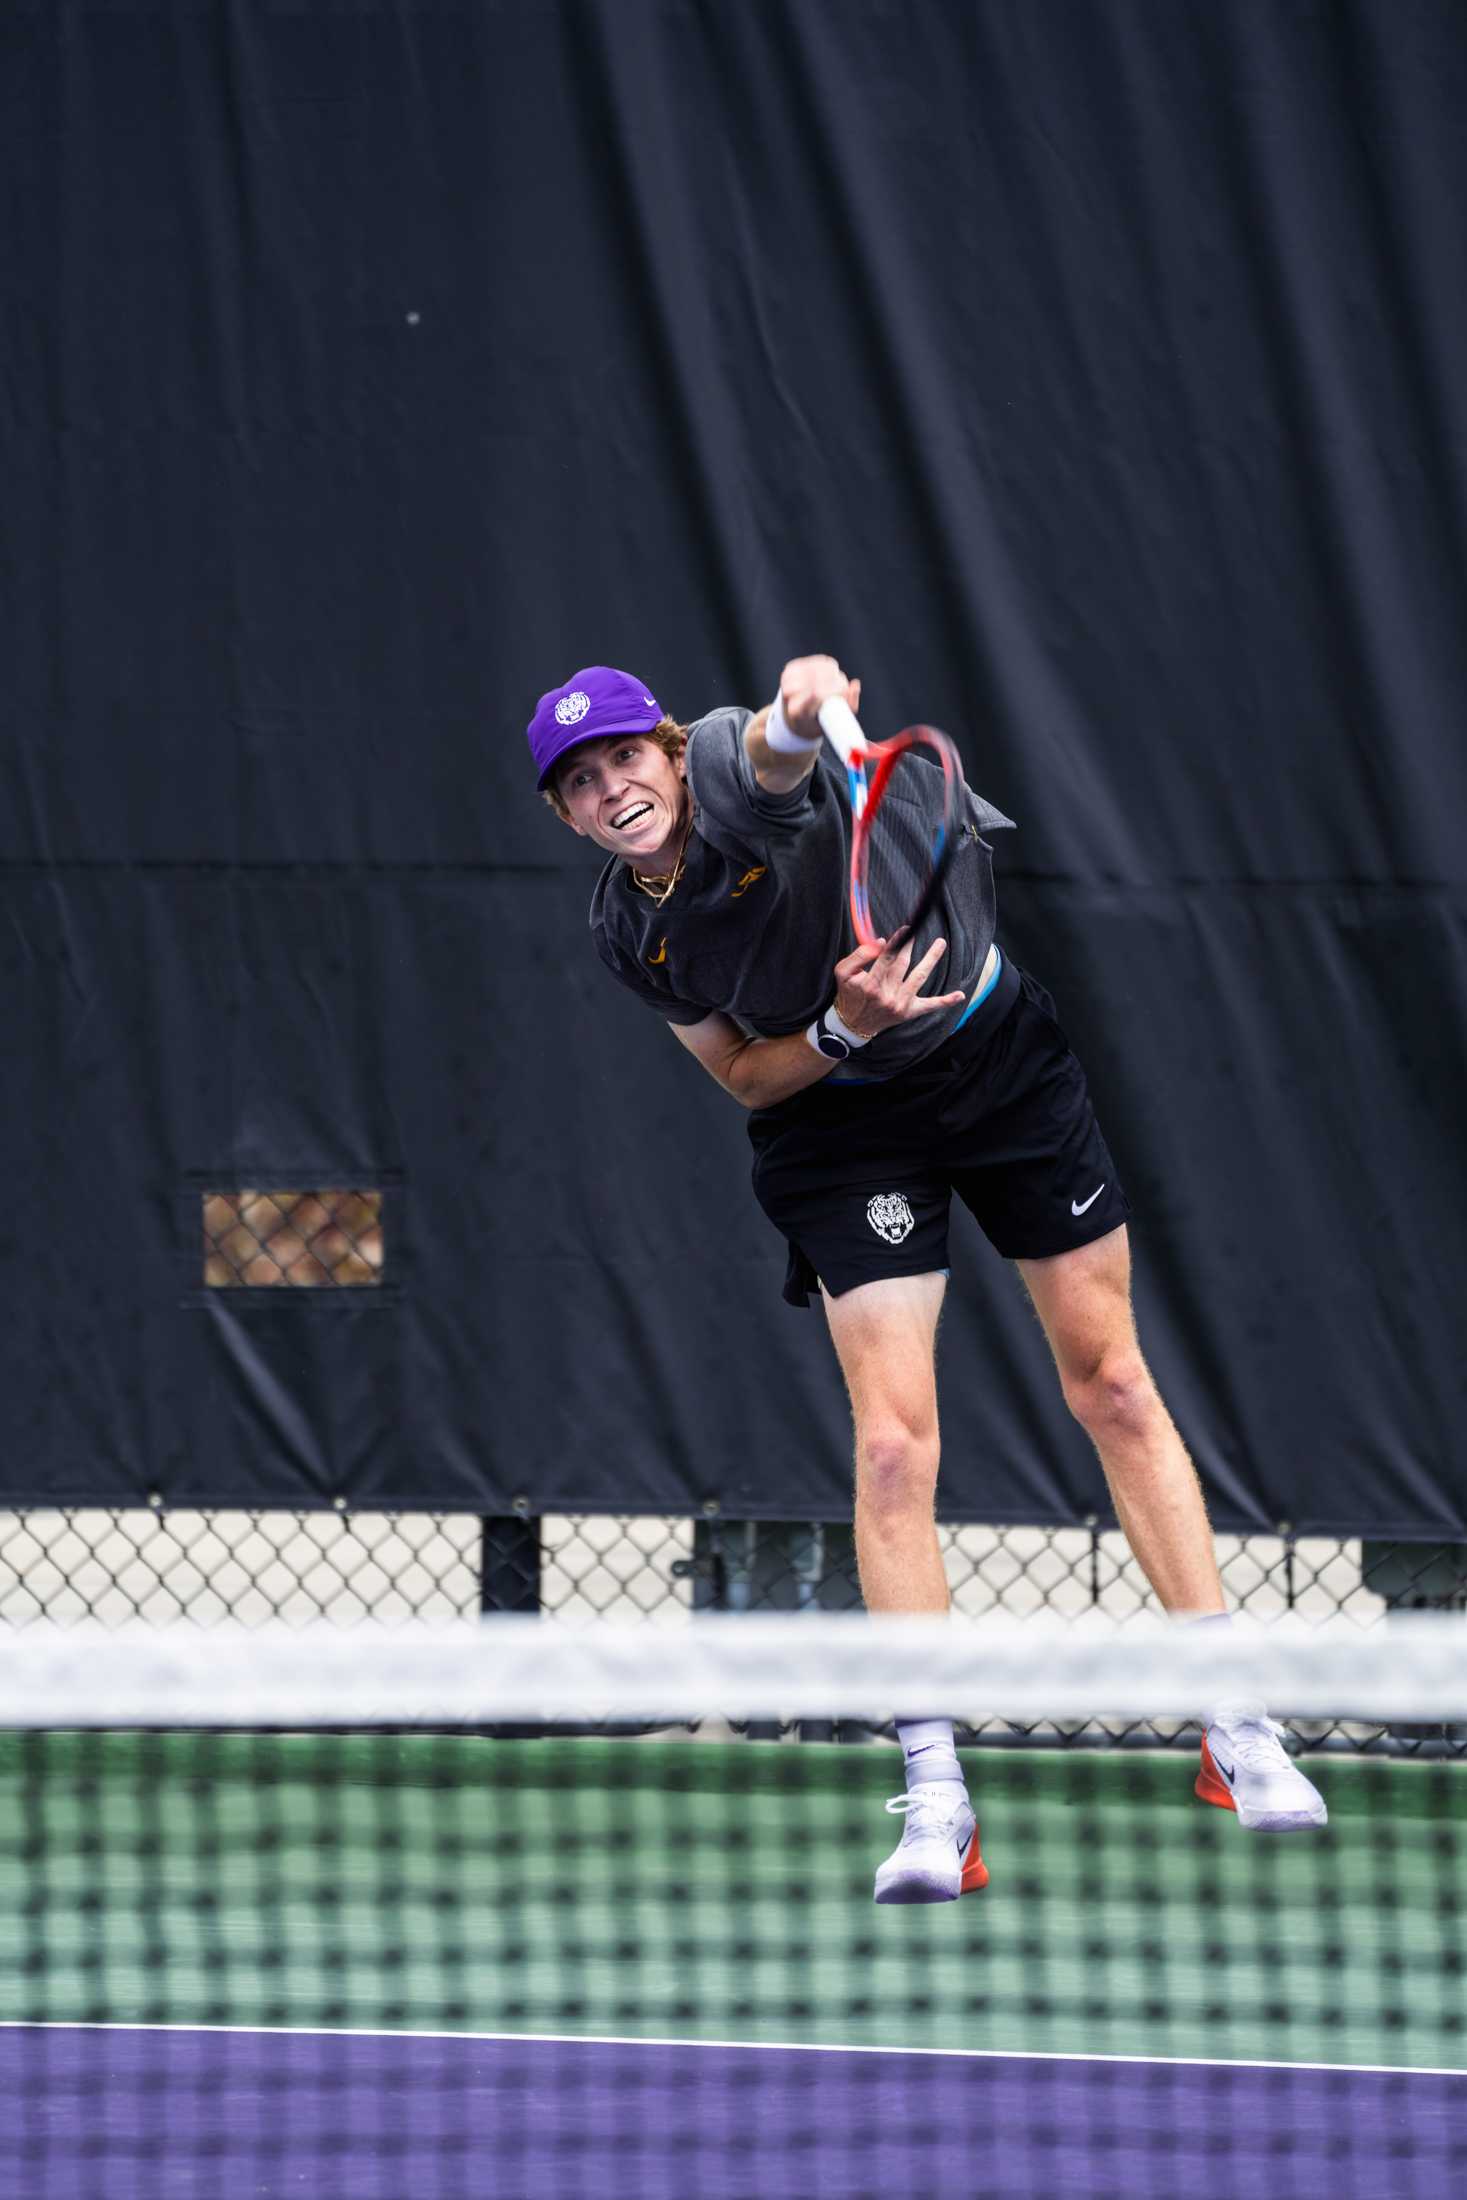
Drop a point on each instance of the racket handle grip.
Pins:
(842, 728)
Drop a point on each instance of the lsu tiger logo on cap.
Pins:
(890, 1216)
(571, 709)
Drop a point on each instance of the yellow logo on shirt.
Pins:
(748, 880)
(661, 954)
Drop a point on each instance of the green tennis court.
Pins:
(722, 1891)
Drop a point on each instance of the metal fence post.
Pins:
(509, 1561)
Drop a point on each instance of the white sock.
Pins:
(1222, 1714)
(1213, 1621)
(929, 1752)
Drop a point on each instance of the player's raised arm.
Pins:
(783, 741)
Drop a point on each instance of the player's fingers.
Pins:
(859, 959)
(925, 1007)
(928, 963)
(812, 677)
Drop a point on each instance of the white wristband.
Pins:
(834, 1021)
(780, 736)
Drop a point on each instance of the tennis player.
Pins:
(879, 1082)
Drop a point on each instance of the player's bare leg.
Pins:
(1083, 1300)
(885, 1337)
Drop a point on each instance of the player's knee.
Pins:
(1114, 1397)
(896, 1468)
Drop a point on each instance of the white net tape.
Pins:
(505, 1669)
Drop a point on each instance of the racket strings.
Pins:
(909, 832)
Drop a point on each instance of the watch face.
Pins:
(834, 1049)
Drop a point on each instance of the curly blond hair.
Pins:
(669, 736)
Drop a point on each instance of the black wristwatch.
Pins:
(837, 1045)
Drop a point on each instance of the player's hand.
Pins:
(806, 683)
(877, 987)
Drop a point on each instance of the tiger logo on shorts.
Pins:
(889, 1216)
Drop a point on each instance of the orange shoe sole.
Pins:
(1210, 1784)
(975, 1871)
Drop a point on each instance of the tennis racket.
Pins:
(907, 807)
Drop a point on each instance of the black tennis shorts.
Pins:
(858, 1178)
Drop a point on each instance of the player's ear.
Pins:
(853, 696)
(554, 802)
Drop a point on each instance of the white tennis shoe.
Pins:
(937, 1857)
(1246, 1768)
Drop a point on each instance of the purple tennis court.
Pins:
(175, 2113)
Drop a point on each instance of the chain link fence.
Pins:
(291, 1239)
(205, 1567)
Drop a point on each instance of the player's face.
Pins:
(627, 795)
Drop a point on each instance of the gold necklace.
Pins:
(658, 890)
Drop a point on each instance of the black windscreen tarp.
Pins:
(1087, 377)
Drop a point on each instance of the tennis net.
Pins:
(518, 1909)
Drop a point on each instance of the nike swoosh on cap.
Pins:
(1078, 1206)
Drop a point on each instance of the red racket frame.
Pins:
(866, 800)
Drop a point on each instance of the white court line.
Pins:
(768, 2047)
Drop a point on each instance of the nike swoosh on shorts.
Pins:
(1078, 1206)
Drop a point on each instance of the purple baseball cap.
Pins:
(592, 703)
